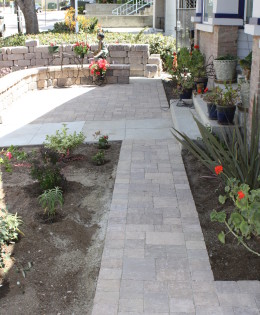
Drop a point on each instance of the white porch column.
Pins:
(170, 17)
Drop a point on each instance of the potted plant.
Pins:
(185, 86)
(225, 68)
(226, 101)
(98, 69)
(246, 64)
(210, 99)
(81, 49)
(198, 69)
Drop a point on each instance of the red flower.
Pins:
(219, 169)
(199, 91)
(9, 155)
(97, 73)
(196, 46)
(174, 54)
(92, 71)
(241, 195)
(191, 53)
(206, 90)
(117, 42)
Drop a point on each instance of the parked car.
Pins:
(2, 25)
(38, 8)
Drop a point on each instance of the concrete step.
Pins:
(202, 112)
(183, 120)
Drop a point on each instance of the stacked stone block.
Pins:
(15, 84)
(35, 55)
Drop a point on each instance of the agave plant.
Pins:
(236, 151)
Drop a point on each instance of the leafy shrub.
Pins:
(49, 176)
(244, 221)
(61, 27)
(50, 200)
(99, 158)
(62, 142)
(49, 156)
(239, 157)
(9, 230)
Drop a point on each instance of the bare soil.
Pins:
(229, 262)
(54, 266)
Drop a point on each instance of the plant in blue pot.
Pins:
(226, 100)
(185, 85)
(210, 98)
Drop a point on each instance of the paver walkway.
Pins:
(154, 260)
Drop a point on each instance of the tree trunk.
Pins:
(30, 16)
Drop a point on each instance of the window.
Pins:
(248, 10)
(207, 10)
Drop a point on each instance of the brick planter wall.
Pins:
(35, 55)
(221, 42)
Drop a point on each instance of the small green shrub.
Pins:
(49, 176)
(61, 27)
(10, 153)
(50, 200)
(64, 143)
(9, 231)
(99, 158)
(244, 221)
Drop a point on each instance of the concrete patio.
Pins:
(155, 260)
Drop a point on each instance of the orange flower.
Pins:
(219, 169)
(241, 195)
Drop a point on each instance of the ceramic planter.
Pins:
(186, 94)
(226, 114)
(225, 70)
(212, 111)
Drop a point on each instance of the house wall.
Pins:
(255, 73)
(221, 41)
(244, 44)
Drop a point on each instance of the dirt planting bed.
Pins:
(54, 266)
(229, 262)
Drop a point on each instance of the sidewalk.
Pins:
(154, 261)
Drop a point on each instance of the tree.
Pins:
(30, 15)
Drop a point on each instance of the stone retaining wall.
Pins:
(14, 85)
(35, 55)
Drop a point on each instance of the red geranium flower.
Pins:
(174, 54)
(219, 169)
(9, 155)
(199, 91)
(196, 46)
(206, 90)
(241, 195)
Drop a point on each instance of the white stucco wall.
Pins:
(256, 8)
(244, 44)
(226, 6)
(170, 17)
